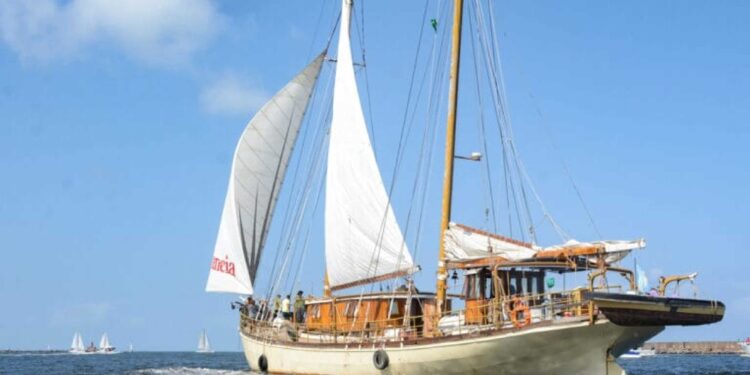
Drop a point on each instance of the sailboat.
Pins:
(203, 345)
(104, 346)
(508, 318)
(76, 347)
(745, 345)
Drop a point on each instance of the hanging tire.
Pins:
(380, 359)
(263, 363)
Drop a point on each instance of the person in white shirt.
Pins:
(286, 308)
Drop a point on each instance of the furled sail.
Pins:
(258, 167)
(466, 243)
(463, 243)
(363, 241)
(614, 250)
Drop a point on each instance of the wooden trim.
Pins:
(495, 236)
(370, 280)
(498, 262)
(476, 263)
(420, 340)
(569, 252)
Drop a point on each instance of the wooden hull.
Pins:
(634, 310)
(562, 348)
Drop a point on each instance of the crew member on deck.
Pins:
(285, 308)
(252, 308)
(299, 308)
(276, 306)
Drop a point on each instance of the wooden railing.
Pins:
(510, 313)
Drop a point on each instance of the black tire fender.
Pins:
(263, 363)
(380, 359)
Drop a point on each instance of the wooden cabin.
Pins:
(371, 314)
(484, 287)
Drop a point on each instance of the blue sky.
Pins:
(119, 121)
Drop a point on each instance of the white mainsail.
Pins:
(362, 238)
(258, 168)
(104, 342)
(77, 344)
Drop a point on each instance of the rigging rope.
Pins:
(482, 135)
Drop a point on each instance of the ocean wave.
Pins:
(188, 371)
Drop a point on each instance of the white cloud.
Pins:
(160, 32)
(233, 96)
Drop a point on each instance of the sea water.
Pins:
(168, 363)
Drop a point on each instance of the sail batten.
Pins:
(362, 238)
(258, 167)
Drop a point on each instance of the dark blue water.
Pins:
(687, 364)
(136, 363)
(146, 363)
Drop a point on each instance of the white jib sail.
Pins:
(258, 168)
(80, 345)
(104, 342)
(362, 238)
(206, 344)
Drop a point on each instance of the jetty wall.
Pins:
(697, 347)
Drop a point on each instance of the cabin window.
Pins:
(394, 310)
(470, 282)
(489, 289)
(315, 311)
(516, 285)
(523, 282)
(351, 309)
(531, 284)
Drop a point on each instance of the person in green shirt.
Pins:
(276, 306)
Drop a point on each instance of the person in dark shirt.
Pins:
(299, 308)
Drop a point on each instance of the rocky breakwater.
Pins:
(697, 347)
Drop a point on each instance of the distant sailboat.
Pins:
(203, 344)
(76, 347)
(104, 345)
(746, 346)
(130, 348)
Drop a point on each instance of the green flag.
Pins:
(433, 22)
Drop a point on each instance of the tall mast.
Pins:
(450, 143)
